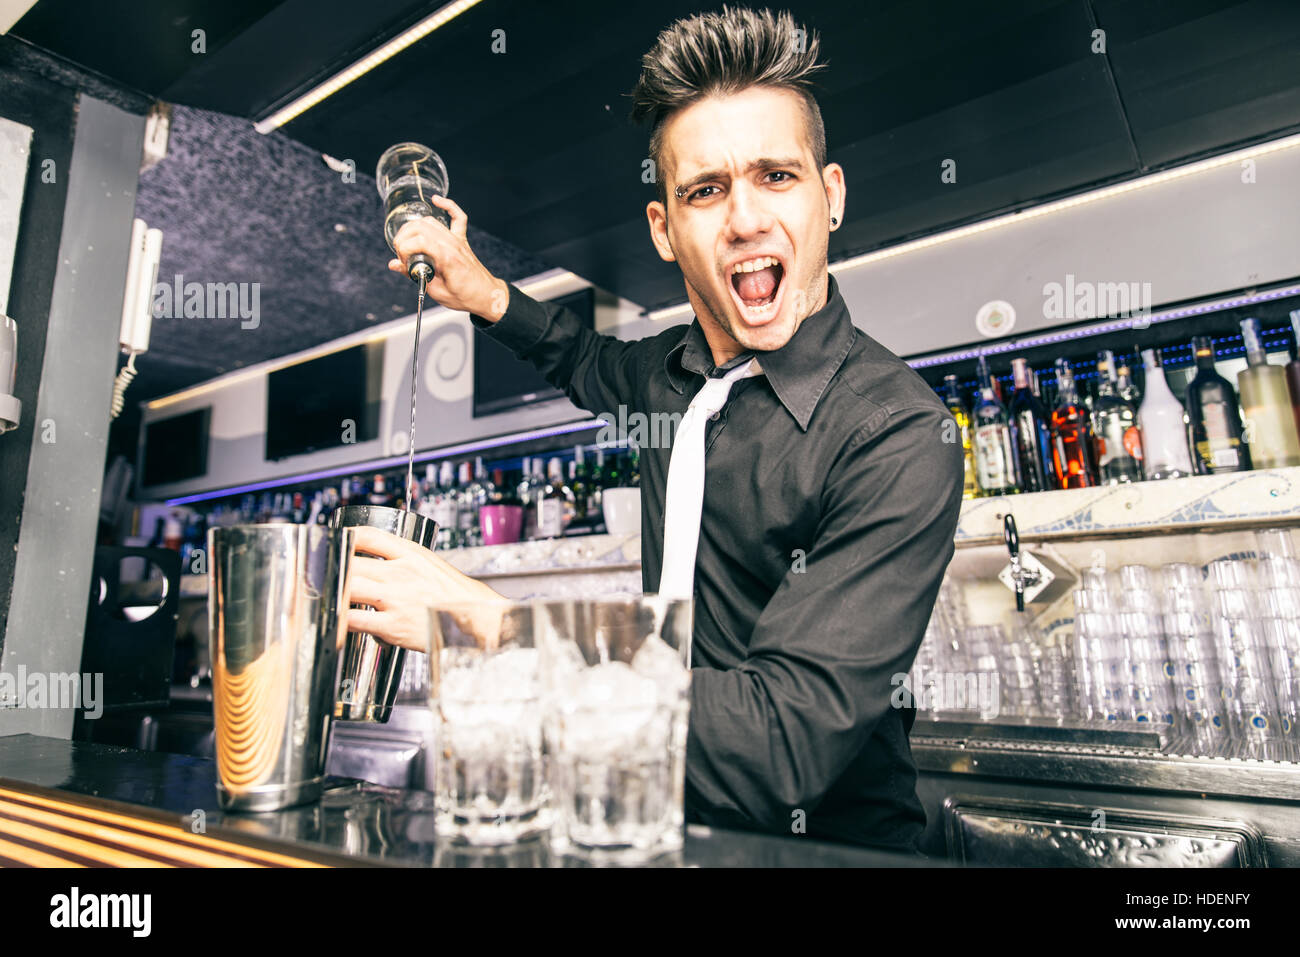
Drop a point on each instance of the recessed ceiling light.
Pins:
(340, 228)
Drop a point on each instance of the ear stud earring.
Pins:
(834, 221)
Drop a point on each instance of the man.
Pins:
(832, 482)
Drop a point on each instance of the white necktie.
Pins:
(685, 495)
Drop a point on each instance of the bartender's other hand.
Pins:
(402, 583)
(460, 281)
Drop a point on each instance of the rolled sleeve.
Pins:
(772, 735)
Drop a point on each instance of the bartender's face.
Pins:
(750, 229)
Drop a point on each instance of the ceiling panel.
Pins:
(1198, 74)
(144, 44)
(542, 155)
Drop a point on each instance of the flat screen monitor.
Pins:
(324, 403)
(503, 382)
(176, 449)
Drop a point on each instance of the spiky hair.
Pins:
(713, 54)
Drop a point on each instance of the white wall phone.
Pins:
(137, 304)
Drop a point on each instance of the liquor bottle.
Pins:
(613, 477)
(507, 488)
(1038, 389)
(596, 492)
(569, 497)
(1266, 405)
(1125, 385)
(995, 460)
(1293, 370)
(428, 490)
(1218, 443)
(634, 468)
(467, 507)
(548, 502)
(525, 493)
(445, 510)
(485, 491)
(378, 493)
(173, 533)
(1030, 431)
(1164, 425)
(578, 493)
(581, 485)
(299, 512)
(1071, 436)
(424, 488)
(952, 399)
(497, 491)
(560, 489)
(1115, 430)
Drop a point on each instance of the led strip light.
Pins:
(363, 66)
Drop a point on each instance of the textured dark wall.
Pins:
(49, 109)
(237, 206)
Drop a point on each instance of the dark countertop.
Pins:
(363, 823)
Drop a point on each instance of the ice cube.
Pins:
(609, 711)
(486, 690)
(512, 673)
(657, 660)
(564, 661)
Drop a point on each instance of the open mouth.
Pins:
(757, 285)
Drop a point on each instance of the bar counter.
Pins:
(69, 803)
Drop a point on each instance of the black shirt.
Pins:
(832, 491)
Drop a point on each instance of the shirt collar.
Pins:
(798, 372)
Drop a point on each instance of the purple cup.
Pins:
(501, 524)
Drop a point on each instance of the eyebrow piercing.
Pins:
(679, 192)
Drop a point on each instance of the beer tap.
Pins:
(1020, 576)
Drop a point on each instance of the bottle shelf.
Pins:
(551, 556)
(1239, 501)
(1205, 503)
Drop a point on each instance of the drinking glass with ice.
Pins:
(486, 693)
(616, 674)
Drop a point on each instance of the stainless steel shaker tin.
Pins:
(371, 670)
(276, 618)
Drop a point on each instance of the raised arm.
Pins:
(772, 735)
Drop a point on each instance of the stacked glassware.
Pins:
(1211, 654)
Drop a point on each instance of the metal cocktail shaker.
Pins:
(371, 670)
(276, 617)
